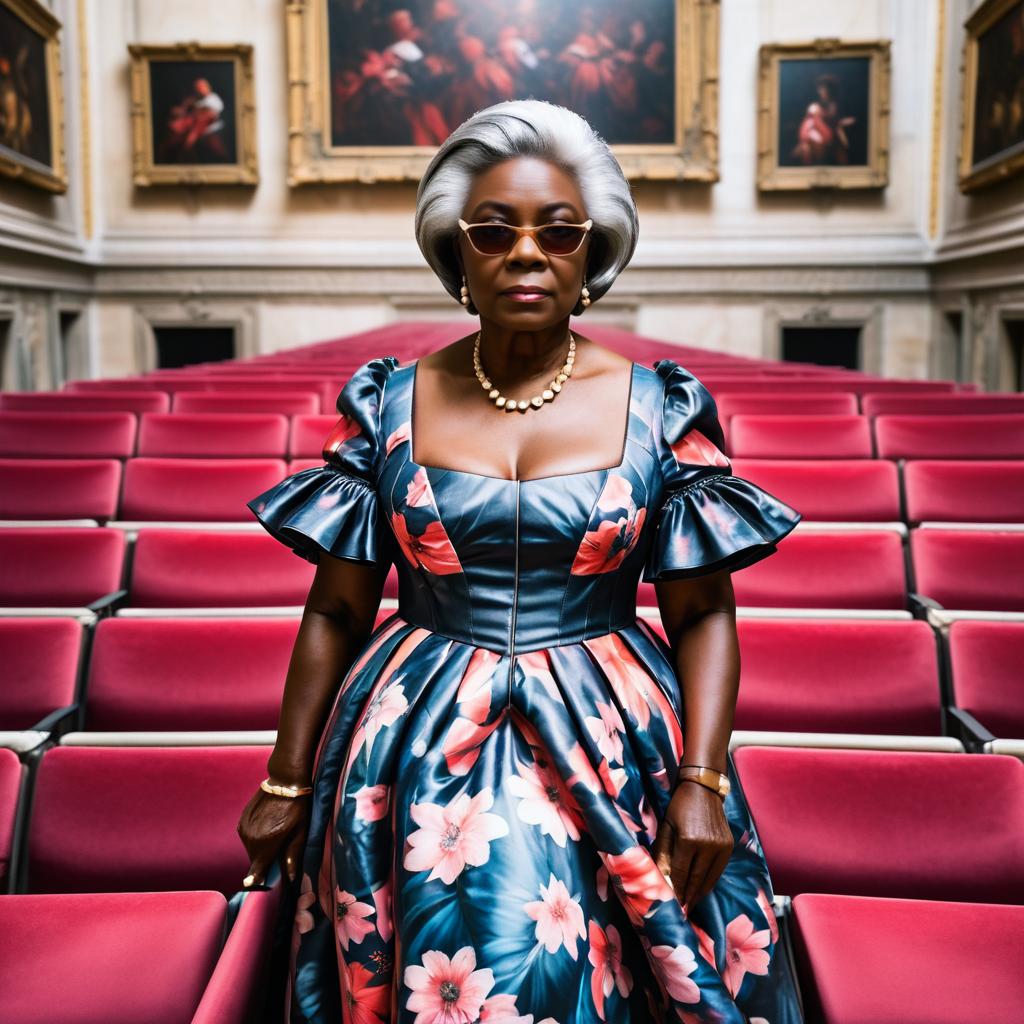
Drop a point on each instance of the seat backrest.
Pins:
(836, 490)
(847, 569)
(906, 824)
(11, 774)
(799, 437)
(121, 819)
(59, 567)
(970, 570)
(833, 675)
(993, 436)
(286, 403)
(59, 488)
(199, 490)
(40, 658)
(67, 435)
(946, 405)
(308, 435)
(834, 403)
(181, 568)
(85, 401)
(986, 659)
(181, 673)
(214, 435)
(981, 491)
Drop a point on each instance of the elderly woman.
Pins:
(511, 800)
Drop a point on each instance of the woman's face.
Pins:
(526, 191)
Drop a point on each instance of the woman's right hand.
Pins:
(274, 826)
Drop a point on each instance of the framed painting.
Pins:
(193, 115)
(31, 100)
(823, 115)
(374, 88)
(992, 116)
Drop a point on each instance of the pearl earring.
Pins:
(464, 292)
(585, 296)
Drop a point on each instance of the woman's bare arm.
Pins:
(338, 618)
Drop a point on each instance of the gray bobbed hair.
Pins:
(536, 128)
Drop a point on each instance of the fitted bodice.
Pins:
(516, 565)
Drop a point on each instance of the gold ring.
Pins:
(248, 880)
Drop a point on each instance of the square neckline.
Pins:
(411, 404)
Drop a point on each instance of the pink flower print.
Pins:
(559, 918)
(342, 432)
(744, 951)
(583, 770)
(617, 493)
(604, 549)
(382, 908)
(386, 707)
(396, 437)
(467, 732)
(501, 1009)
(544, 800)
(537, 665)
(372, 802)
(769, 913)
(606, 731)
(432, 550)
(609, 970)
(695, 449)
(350, 915)
(362, 1001)
(453, 836)
(674, 965)
(303, 918)
(447, 991)
(418, 492)
(637, 881)
(706, 944)
(602, 883)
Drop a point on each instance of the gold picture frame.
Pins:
(990, 150)
(203, 131)
(692, 155)
(823, 115)
(32, 130)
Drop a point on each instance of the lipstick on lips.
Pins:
(526, 293)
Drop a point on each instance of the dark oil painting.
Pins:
(24, 101)
(999, 96)
(194, 111)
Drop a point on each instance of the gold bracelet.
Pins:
(289, 791)
(712, 778)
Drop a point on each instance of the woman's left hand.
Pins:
(694, 841)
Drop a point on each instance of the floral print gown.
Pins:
(499, 755)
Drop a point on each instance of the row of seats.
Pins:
(815, 567)
(193, 489)
(817, 675)
(939, 855)
(256, 428)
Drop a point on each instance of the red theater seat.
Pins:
(137, 402)
(11, 773)
(900, 823)
(59, 567)
(40, 659)
(196, 490)
(67, 435)
(837, 403)
(874, 961)
(59, 488)
(188, 674)
(839, 676)
(946, 405)
(964, 492)
(212, 435)
(120, 819)
(855, 490)
(308, 436)
(288, 403)
(970, 570)
(799, 437)
(986, 659)
(179, 568)
(995, 436)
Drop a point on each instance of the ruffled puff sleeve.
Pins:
(708, 519)
(336, 507)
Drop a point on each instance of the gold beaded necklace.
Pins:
(510, 404)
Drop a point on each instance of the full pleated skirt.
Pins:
(479, 848)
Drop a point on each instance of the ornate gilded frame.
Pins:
(52, 177)
(144, 170)
(874, 174)
(1008, 162)
(692, 156)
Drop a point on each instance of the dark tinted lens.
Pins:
(560, 239)
(492, 239)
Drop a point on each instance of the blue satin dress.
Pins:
(500, 753)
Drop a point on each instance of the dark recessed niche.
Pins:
(182, 346)
(821, 343)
